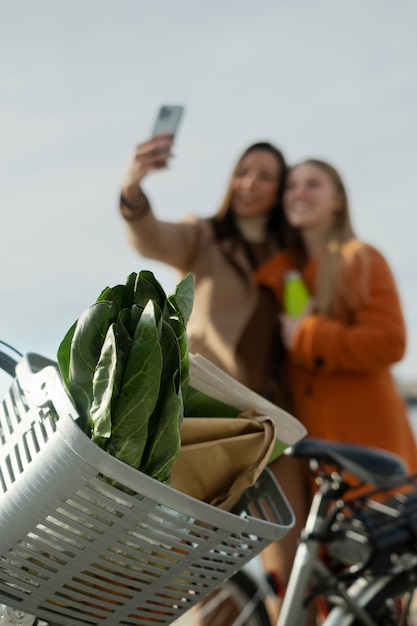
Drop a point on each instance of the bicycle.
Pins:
(86, 539)
(357, 557)
(357, 554)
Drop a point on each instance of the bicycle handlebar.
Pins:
(7, 361)
(8, 364)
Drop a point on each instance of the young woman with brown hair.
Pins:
(234, 321)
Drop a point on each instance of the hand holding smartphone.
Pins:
(153, 154)
(168, 120)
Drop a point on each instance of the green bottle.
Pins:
(296, 294)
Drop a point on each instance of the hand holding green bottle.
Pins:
(296, 295)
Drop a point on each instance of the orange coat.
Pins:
(339, 366)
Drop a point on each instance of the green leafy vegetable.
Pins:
(199, 404)
(163, 443)
(125, 365)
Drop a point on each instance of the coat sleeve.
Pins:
(373, 339)
(173, 243)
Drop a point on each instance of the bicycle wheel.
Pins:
(388, 601)
(237, 602)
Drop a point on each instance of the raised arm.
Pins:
(173, 243)
(147, 157)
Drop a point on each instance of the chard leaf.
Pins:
(135, 313)
(129, 293)
(198, 404)
(164, 447)
(182, 299)
(122, 296)
(63, 356)
(180, 305)
(103, 385)
(126, 324)
(182, 340)
(124, 330)
(139, 392)
(85, 347)
(148, 288)
(164, 442)
(115, 295)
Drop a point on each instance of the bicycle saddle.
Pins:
(371, 465)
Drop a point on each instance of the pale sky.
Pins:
(81, 81)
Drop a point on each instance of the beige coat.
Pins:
(224, 301)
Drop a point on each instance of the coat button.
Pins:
(319, 361)
(309, 391)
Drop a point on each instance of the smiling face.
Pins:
(311, 200)
(255, 184)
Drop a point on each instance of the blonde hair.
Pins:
(336, 255)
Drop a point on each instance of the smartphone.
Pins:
(168, 119)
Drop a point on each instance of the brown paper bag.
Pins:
(220, 456)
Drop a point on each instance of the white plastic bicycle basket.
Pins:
(77, 548)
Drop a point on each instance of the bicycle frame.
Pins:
(371, 569)
(308, 566)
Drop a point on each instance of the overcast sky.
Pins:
(81, 82)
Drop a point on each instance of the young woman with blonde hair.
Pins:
(341, 347)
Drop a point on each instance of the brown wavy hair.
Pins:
(224, 224)
(223, 221)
